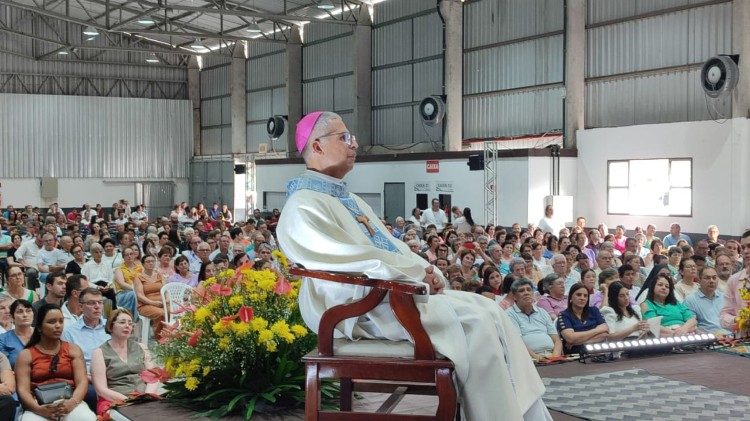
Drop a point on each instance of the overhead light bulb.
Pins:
(152, 58)
(326, 5)
(63, 53)
(146, 21)
(253, 27)
(90, 31)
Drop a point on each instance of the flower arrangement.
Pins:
(237, 349)
(743, 319)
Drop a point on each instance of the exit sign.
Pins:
(433, 165)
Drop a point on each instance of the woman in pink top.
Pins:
(554, 300)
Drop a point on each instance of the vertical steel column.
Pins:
(490, 182)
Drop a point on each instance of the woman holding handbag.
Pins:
(50, 373)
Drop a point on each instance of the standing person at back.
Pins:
(434, 216)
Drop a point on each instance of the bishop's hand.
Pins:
(436, 285)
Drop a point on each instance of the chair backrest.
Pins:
(176, 297)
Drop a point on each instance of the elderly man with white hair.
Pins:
(325, 227)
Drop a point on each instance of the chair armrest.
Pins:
(401, 302)
(363, 280)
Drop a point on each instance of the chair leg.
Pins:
(446, 392)
(312, 394)
(347, 388)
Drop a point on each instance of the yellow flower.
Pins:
(206, 370)
(191, 383)
(229, 273)
(266, 280)
(209, 281)
(299, 331)
(220, 328)
(271, 346)
(265, 335)
(258, 323)
(281, 329)
(241, 329)
(236, 300)
(280, 257)
(225, 343)
(201, 314)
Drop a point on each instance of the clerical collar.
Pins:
(313, 180)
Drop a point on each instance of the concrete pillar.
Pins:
(238, 100)
(362, 60)
(575, 69)
(194, 95)
(454, 104)
(293, 87)
(741, 46)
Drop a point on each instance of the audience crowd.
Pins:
(77, 286)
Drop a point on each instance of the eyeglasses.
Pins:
(94, 303)
(53, 363)
(124, 322)
(345, 137)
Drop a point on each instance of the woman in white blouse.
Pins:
(624, 320)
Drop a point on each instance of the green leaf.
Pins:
(236, 399)
(250, 408)
(269, 397)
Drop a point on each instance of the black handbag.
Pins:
(51, 392)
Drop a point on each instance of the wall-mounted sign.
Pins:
(422, 186)
(433, 166)
(444, 186)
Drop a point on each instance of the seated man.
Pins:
(707, 302)
(537, 330)
(733, 301)
(325, 227)
(55, 290)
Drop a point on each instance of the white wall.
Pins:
(721, 171)
(73, 192)
(518, 186)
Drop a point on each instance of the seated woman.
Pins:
(554, 300)
(14, 341)
(147, 288)
(580, 323)
(677, 319)
(47, 359)
(124, 280)
(182, 272)
(6, 318)
(624, 320)
(659, 269)
(116, 366)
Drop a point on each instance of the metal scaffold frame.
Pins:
(490, 182)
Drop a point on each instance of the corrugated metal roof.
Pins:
(492, 21)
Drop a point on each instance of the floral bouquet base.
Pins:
(237, 349)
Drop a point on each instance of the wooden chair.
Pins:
(377, 365)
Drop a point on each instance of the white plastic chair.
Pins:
(145, 329)
(175, 296)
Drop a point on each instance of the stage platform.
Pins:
(713, 370)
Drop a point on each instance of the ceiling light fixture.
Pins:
(253, 27)
(63, 53)
(90, 31)
(146, 21)
(152, 58)
(326, 5)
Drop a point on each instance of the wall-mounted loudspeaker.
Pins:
(719, 75)
(432, 110)
(240, 168)
(275, 126)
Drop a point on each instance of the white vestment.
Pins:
(495, 376)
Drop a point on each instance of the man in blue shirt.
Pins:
(707, 302)
(537, 330)
(88, 333)
(675, 236)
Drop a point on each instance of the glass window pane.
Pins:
(680, 201)
(679, 174)
(618, 174)
(618, 200)
(649, 185)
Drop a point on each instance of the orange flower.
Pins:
(283, 287)
(245, 314)
(222, 290)
(194, 338)
(154, 375)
